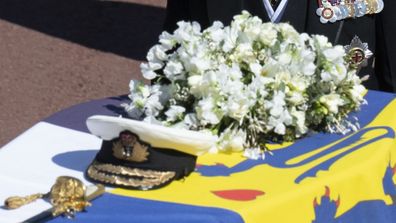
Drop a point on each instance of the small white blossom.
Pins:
(332, 102)
(174, 113)
(174, 70)
(167, 40)
(207, 111)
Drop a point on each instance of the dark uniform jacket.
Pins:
(377, 30)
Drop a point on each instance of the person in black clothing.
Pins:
(375, 28)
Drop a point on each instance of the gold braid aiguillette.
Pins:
(67, 196)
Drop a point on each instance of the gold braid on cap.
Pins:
(130, 177)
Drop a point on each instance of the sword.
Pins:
(68, 195)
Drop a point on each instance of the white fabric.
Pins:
(27, 166)
(192, 142)
(275, 15)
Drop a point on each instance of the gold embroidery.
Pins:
(125, 176)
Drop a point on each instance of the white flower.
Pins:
(335, 73)
(299, 121)
(174, 70)
(157, 54)
(332, 102)
(165, 92)
(191, 121)
(251, 78)
(132, 110)
(268, 34)
(152, 105)
(167, 40)
(207, 111)
(195, 82)
(289, 32)
(216, 32)
(174, 113)
(232, 140)
(285, 58)
(199, 65)
(357, 93)
(309, 68)
(321, 41)
(230, 39)
(135, 84)
(187, 31)
(295, 98)
(237, 107)
(256, 68)
(148, 70)
(244, 52)
(334, 54)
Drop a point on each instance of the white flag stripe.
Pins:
(27, 164)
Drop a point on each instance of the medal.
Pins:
(327, 11)
(358, 53)
(336, 10)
